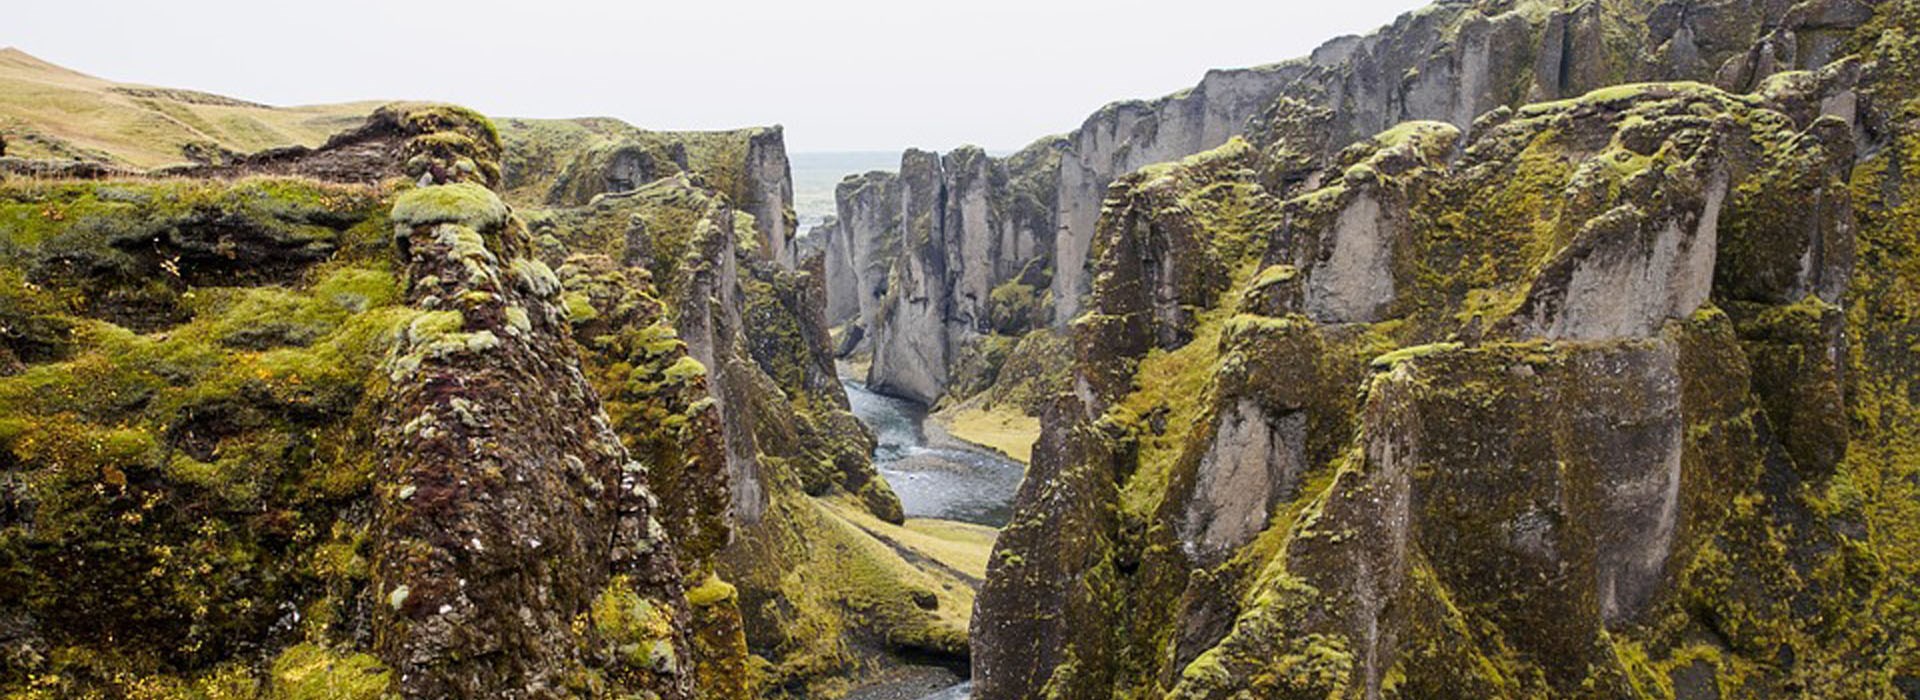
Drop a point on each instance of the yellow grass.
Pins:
(961, 546)
(1002, 428)
(48, 111)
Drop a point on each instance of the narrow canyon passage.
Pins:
(1514, 349)
(935, 476)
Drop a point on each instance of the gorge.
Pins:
(1517, 349)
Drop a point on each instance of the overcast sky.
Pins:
(839, 74)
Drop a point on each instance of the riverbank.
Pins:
(1002, 429)
(956, 476)
(934, 474)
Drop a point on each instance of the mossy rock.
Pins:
(467, 204)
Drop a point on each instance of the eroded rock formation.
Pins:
(797, 461)
(1495, 406)
(1450, 63)
(355, 453)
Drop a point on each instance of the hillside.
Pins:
(47, 111)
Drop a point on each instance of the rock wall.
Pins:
(758, 350)
(768, 195)
(1450, 62)
(914, 260)
(492, 541)
(1492, 409)
(910, 331)
(567, 162)
(546, 488)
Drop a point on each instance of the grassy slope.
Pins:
(958, 546)
(1002, 428)
(47, 111)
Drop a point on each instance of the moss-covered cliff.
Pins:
(1599, 398)
(356, 425)
(279, 437)
(825, 590)
(1027, 260)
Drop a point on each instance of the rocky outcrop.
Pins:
(493, 541)
(861, 247)
(914, 261)
(759, 348)
(768, 195)
(1578, 462)
(434, 142)
(1450, 63)
(709, 320)
(371, 454)
(1127, 136)
(1254, 464)
(567, 162)
(909, 334)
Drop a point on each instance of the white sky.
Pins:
(840, 74)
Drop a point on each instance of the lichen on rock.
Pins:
(1570, 419)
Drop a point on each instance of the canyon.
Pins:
(1518, 349)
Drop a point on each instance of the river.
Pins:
(934, 475)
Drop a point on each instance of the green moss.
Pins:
(313, 672)
(1013, 307)
(1388, 360)
(1259, 660)
(579, 308)
(467, 204)
(1623, 93)
(685, 368)
(1432, 139)
(637, 628)
(1178, 382)
(187, 487)
(712, 591)
(1272, 275)
(837, 583)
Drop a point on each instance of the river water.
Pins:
(958, 692)
(935, 476)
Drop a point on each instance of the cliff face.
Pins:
(566, 162)
(376, 431)
(1566, 400)
(1450, 62)
(923, 262)
(797, 461)
(283, 437)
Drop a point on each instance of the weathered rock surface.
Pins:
(1601, 429)
(1254, 463)
(1450, 62)
(757, 338)
(355, 452)
(491, 541)
(567, 162)
(922, 264)
(601, 459)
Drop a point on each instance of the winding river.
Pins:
(934, 475)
